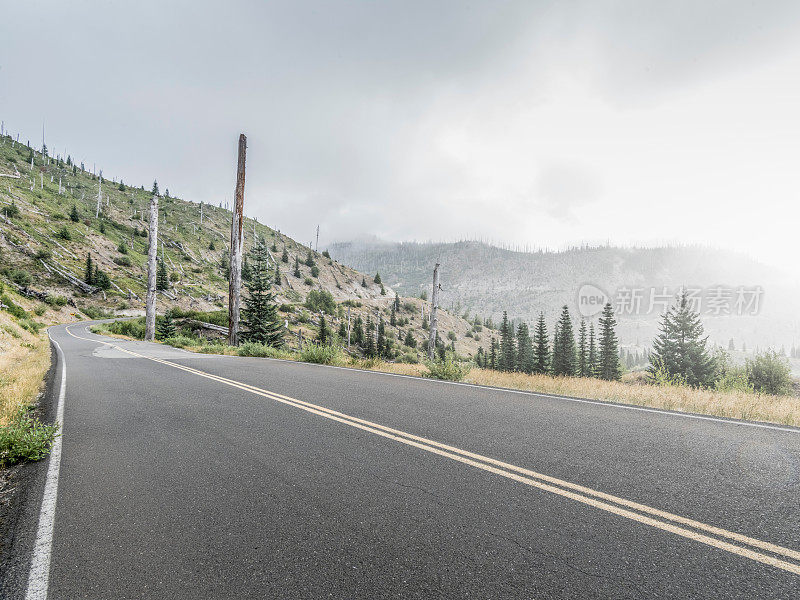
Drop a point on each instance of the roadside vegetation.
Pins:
(24, 362)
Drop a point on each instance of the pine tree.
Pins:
(297, 272)
(583, 352)
(342, 331)
(377, 278)
(393, 317)
(480, 358)
(608, 364)
(166, 326)
(88, 276)
(591, 362)
(409, 340)
(155, 188)
(285, 256)
(162, 278)
(493, 354)
(541, 347)
(101, 279)
(277, 275)
(383, 290)
(309, 260)
(564, 346)
(524, 350)
(73, 214)
(246, 270)
(396, 301)
(507, 351)
(260, 320)
(323, 337)
(381, 346)
(358, 331)
(680, 349)
(363, 282)
(369, 339)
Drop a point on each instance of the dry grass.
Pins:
(738, 405)
(24, 361)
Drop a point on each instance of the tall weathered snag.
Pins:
(235, 286)
(434, 318)
(152, 255)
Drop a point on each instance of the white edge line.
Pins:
(607, 403)
(39, 574)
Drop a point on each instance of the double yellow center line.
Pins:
(722, 539)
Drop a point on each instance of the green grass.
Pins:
(25, 438)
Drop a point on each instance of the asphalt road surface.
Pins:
(193, 476)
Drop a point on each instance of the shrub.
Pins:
(21, 277)
(57, 301)
(315, 271)
(40, 310)
(64, 233)
(322, 355)
(451, 335)
(30, 325)
(132, 328)
(308, 281)
(286, 308)
(13, 308)
(409, 358)
(769, 373)
(260, 350)
(123, 261)
(321, 300)
(25, 438)
(181, 341)
(734, 379)
(447, 370)
(43, 254)
(304, 317)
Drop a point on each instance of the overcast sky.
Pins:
(540, 123)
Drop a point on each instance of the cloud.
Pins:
(564, 188)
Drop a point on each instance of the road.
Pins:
(194, 476)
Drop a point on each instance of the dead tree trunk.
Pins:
(99, 195)
(348, 329)
(235, 287)
(434, 317)
(152, 255)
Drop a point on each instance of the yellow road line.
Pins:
(587, 495)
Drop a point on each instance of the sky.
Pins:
(541, 124)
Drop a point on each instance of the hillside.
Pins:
(48, 228)
(486, 279)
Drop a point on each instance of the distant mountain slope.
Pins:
(487, 280)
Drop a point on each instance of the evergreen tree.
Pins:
(393, 317)
(277, 274)
(343, 331)
(383, 290)
(323, 337)
(480, 358)
(409, 340)
(285, 256)
(583, 352)
(396, 301)
(377, 278)
(309, 260)
(101, 279)
(507, 351)
(88, 276)
(358, 331)
(155, 188)
(246, 269)
(166, 326)
(493, 354)
(297, 272)
(564, 346)
(680, 348)
(363, 282)
(591, 362)
(74, 216)
(369, 339)
(381, 347)
(211, 246)
(260, 320)
(525, 357)
(162, 278)
(541, 347)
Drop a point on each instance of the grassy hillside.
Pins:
(48, 227)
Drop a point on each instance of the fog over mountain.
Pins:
(737, 297)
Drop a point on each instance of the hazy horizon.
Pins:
(529, 124)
